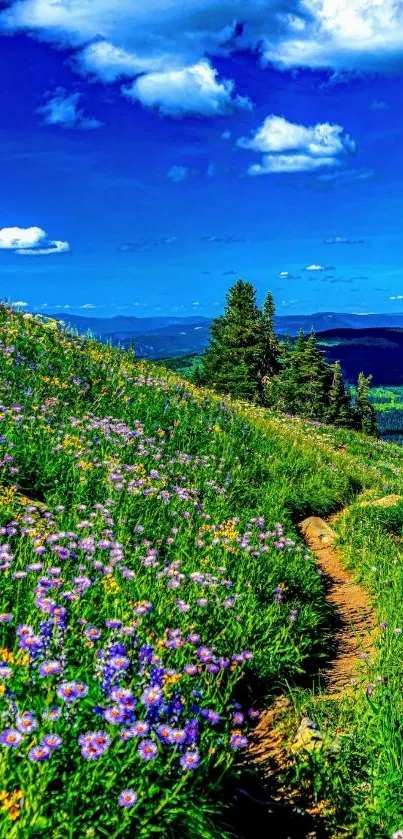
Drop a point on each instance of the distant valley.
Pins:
(371, 343)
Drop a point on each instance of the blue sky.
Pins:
(151, 156)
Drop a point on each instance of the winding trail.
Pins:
(353, 643)
(354, 636)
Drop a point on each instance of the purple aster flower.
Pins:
(39, 753)
(113, 624)
(398, 834)
(51, 741)
(164, 733)
(193, 638)
(147, 750)
(190, 759)
(143, 608)
(114, 715)
(51, 714)
(10, 737)
(177, 736)
(140, 728)
(50, 668)
(127, 798)
(238, 740)
(119, 662)
(70, 691)
(238, 718)
(191, 669)
(5, 672)
(152, 696)
(91, 752)
(204, 654)
(92, 633)
(26, 723)
(253, 713)
(211, 716)
(6, 617)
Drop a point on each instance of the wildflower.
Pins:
(152, 696)
(52, 714)
(204, 654)
(211, 716)
(147, 749)
(190, 759)
(114, 715)
(238, 718)
(6, 617)
(164, 733)
(26, 723)
(140, 728)
(52, 741)
(127, 798)
(5, 672)
(70, 691)
(142, 608)
(238, 740)
(50, 668)
(177, 736)
(190, 669)
(10, 737)
(39, 753)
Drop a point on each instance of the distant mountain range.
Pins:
(371, 343)
(157, 337)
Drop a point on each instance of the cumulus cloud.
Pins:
(178, 173)
(30, 241)
(315, 267)
(190, 90)
(62, 109)
(342, 240)
(289, 147)
(286, 275)
(121, 38)
(88, 306)
(19, 304)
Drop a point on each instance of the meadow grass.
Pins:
(155, 590)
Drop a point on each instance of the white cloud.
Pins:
(88, 306)
(177, 173)
(289, 147)
(62, 109)
(30, 241)
(190, 90)
(396, 297)
(127, 36)
(20, 304)
(109, 63)
(314, 267)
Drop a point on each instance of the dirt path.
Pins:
(353, 644)
(355, 633)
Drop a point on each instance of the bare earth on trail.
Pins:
(354, 644)
(352, 605)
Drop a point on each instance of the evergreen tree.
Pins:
(271, 358)
(339, 411)
(364, 411)
(234, 360)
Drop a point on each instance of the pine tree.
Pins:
(271, 359)
(234, 360)
(364, 411)
(339, 411)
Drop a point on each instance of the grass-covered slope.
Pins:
(152, 581)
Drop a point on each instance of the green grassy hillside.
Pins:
(155, 591)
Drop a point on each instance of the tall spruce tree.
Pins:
(364, 411)
(339, 411)
(234, 360)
